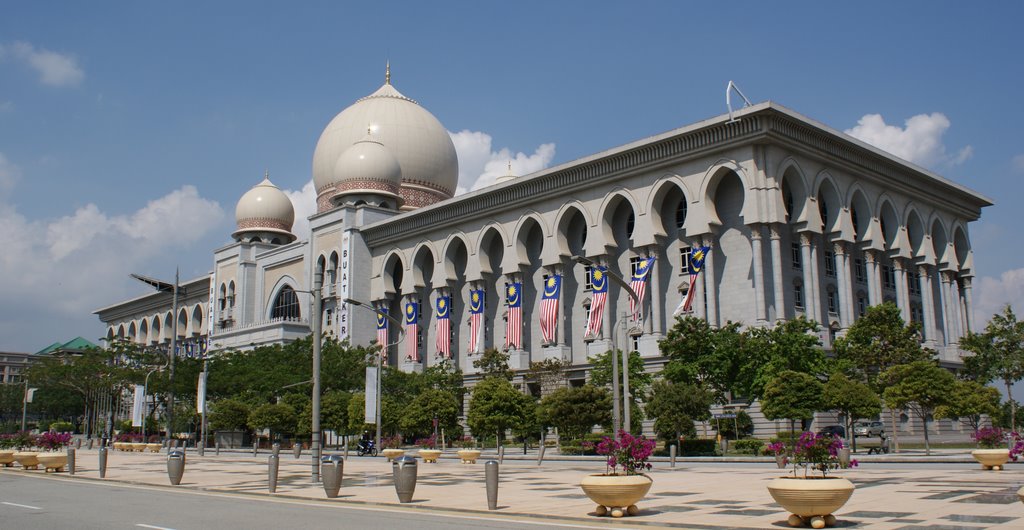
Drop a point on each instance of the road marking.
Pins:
(153, 527)
(22, 506)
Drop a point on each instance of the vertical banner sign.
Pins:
(344, 286)
(137, 406)
(201, 393)
(370, 415)
(209, 313)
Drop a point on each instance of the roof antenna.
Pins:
(728, 101)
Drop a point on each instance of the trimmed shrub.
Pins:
(698, 447)
(751, 446)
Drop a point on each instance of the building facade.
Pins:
(800, 219)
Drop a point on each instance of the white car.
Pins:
(869, 428)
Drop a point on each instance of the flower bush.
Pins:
(391, 442)
(54, 441)
(22, 440)
(990, 437)
(466, 442)
(818, 452)
(776, 448)
(6, 441)
(429, 442)
(630, 452)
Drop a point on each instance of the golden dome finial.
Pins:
(266, 174)
(387, 72)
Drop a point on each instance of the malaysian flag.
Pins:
(599, 281)
(549, 308)
(639, 285)
(514, 323)
(382, 331)
(444, 326)
(696, 265)
(476, 317)
(412, 320)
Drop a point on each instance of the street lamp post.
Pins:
(174, 289)
(145, 399)
(616, 424)
(401, 337)
(318, 283)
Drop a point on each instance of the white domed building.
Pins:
(800, 219)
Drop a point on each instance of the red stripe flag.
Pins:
(444, 327)
(412, 331)
(549, 308)
(382, 332)
(639, 285)
(600, 282)
(514, 324)
(476, 317)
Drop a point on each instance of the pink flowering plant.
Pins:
(429, 442)
(54, 441)
(628, 452)
(818, 452)
(1017, 446)
(990, 437)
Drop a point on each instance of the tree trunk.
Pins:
(1013, 405)
(927, 447)
(895, 433)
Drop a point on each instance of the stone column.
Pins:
(902, 293)
(820, 310)
(810, 305)
(944, 301)
(755, 243)
(968, 304)
(845, 284)
(656, 292)
(709, 280)
(928, 304)
(954, 307)
(779, 294)
(874, 279)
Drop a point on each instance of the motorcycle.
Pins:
(366, 447)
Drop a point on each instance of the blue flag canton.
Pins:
(411, 313)
(443, 305)
(513, 294)
(552, 287)
(642, 269)
(599, 279)
(697, 258)
(382, 320)
(476, 301)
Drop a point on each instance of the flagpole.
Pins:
(24, 405)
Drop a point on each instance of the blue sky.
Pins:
(128, 130)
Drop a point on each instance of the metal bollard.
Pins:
(78, 443)
(297, 449)
(273, 461)
(501, 455)
(90, 444)
(175, 466)
(491, 478)
(255, 447)
(404, 469)
(331, 469)
(540, 453)
(71, 460)
(672, 454)
(202, 447)
(218, 449)
(103, 461)
(276, 449)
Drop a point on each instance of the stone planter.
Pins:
(53, 461)
(993, 459)
(27, 459)
(7, 457)
(616, 495)
(1020, 494)
(154, 448)
(430, 455)
(392, 454)
(811, 500)
(138, 447)
(469, 456)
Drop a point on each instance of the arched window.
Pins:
(223, 300)
(286, 305)
(231, 294)
(681, 213)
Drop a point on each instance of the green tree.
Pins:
(575, 411)
(639, 382)
(852, 399)
(920, 386)
(277, 417)
(548, 374)
(418, 415)
(495, 406)
(675, 406)
(357, 415)
(333, 413)
(790, 345)
(700, 354)
(493, 363)
(998, 354)
(968, 401)
(228, 415)
(742, 426)
(877, 341)
(792, 396)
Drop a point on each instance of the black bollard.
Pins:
(103, 461)
(404, 470)
(175, 466)
(491, 478)
(331, 469)
(273, 461)
(71, 460)
(276, 449)
(297, 449)
(90, 444)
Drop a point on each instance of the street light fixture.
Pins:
(616, 424)
(174, 289)
(401, 337)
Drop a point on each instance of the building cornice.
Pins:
(195, 289)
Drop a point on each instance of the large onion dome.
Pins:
(264, 214)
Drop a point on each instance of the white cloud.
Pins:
(304, 202)
(54, 69)
(66, 267)
(480, 165)
(920, 141)
(1018, 163)
(990, 295)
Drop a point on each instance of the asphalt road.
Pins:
(31, 502)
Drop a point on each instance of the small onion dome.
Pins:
(265, 212)
(507, 177)
(367, 168)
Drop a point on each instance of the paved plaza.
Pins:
(893, 491)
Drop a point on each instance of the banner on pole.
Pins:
(137, 406)
(371, 395)
(201, 394)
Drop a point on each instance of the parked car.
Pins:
(834, 430)
(869, 428)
